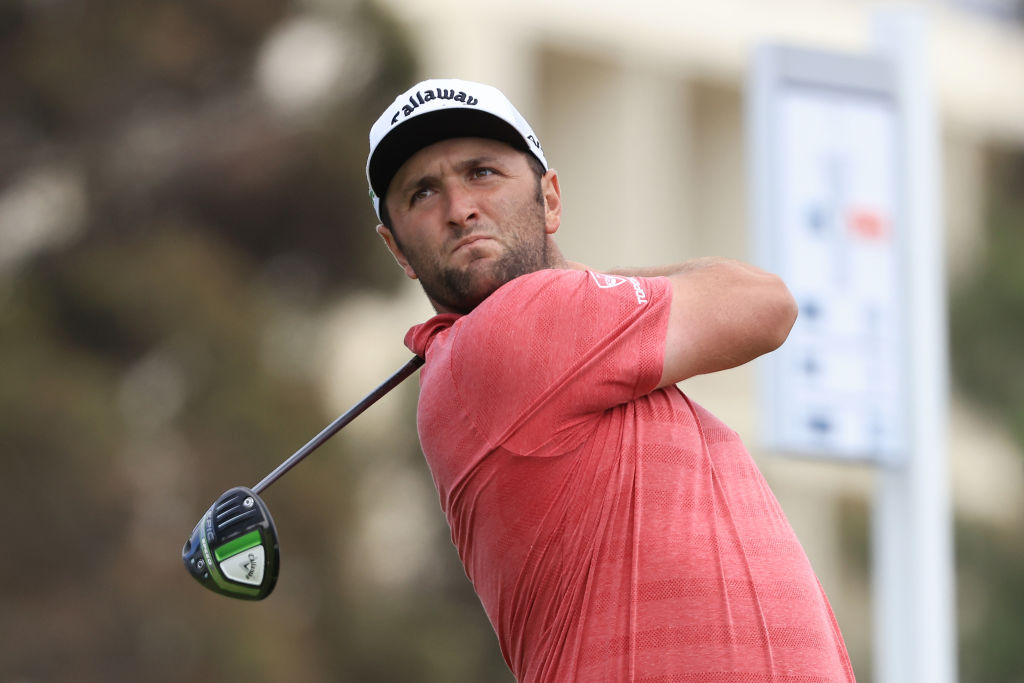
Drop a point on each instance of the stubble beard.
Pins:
(462, 289)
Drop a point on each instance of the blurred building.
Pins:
(640, 107)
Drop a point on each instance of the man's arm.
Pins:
(724, 313)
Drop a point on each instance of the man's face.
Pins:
(467, 216)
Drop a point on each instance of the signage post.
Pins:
(845, 210)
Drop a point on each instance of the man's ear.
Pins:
(552, 201)
(389, 239)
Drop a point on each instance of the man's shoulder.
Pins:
(559, 287)
(538, 288)
(539, 279)
(517, 297)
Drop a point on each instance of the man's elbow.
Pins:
(783, 312)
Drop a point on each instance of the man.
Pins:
(613, 529)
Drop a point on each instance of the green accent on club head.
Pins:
(244, 542)
(224, 584)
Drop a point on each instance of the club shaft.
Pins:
(330, 430)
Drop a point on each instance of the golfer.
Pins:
(613, 529)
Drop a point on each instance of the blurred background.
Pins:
(191, 288)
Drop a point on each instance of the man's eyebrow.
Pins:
(461, 167)
(476, 161)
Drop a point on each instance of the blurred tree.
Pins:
(164, 107)
(172, 175)
(987, 326)
(988, 311)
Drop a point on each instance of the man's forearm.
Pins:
(671, 269)
(687, 266)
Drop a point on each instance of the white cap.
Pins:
(439, 109)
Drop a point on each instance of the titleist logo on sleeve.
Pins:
(439, 94)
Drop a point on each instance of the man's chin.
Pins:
(464, 289)
(473, 298)
(459, 295)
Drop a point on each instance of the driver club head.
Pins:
(233, 550)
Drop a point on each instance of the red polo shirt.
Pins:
(613, 531)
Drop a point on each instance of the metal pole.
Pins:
(915, 634)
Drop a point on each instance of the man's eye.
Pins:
(419, 194)
(482, 172)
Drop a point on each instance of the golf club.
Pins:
(233, 550)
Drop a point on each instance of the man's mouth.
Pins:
(466, 241)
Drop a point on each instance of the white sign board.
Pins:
(827, 220)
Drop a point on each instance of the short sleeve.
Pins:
(551, 350)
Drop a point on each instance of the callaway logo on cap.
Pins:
(439, 109)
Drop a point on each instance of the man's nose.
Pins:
(462, 206)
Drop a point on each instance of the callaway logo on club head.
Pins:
(250, 566)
